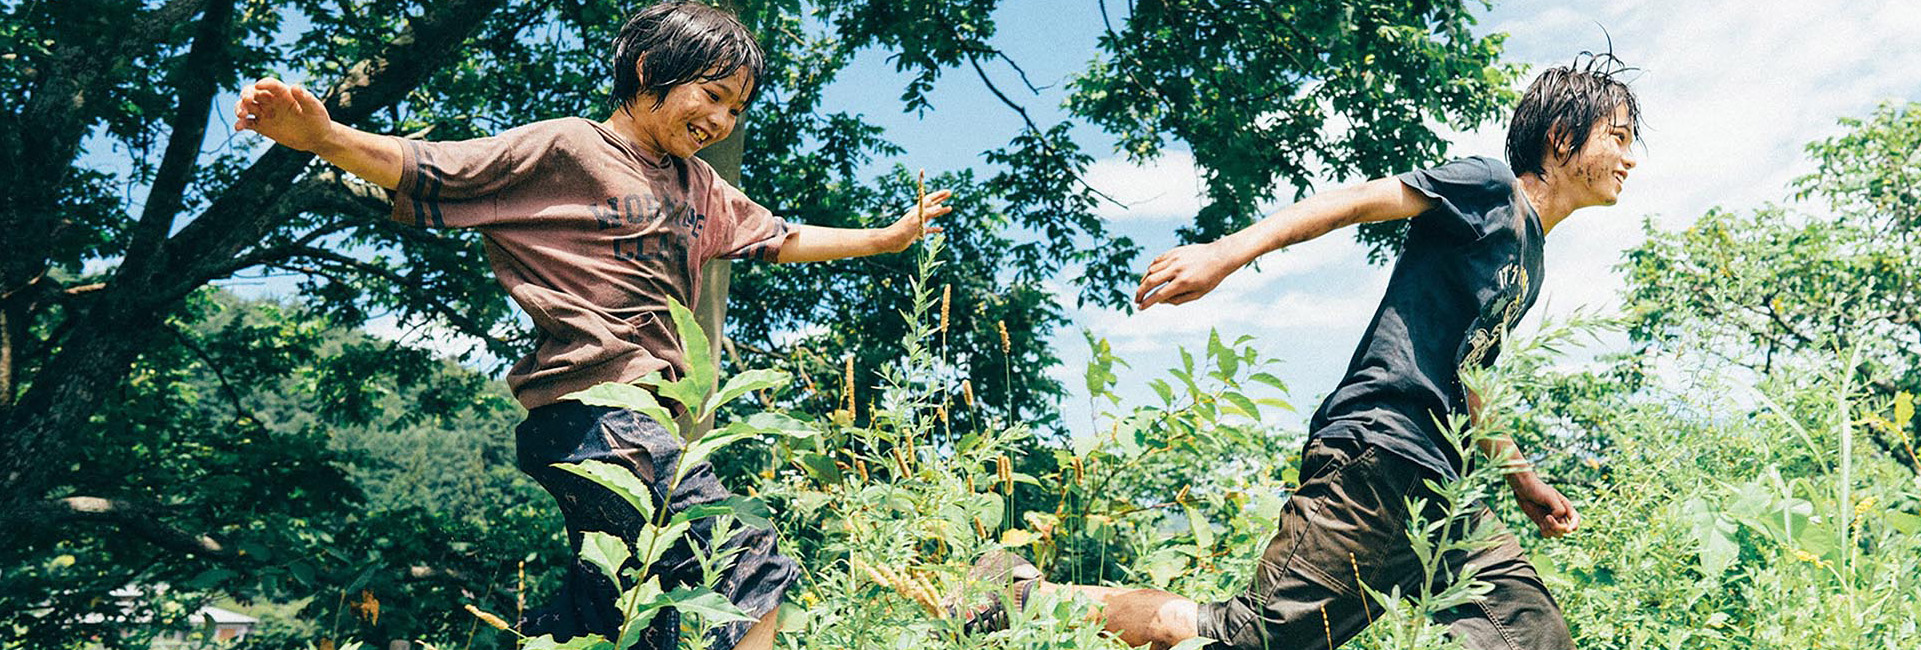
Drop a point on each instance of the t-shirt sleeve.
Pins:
(1465, 192)
(752, 232)
(457, 184)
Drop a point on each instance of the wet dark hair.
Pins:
(682, 42)
(1561, 107)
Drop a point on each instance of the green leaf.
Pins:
(606, 551)
(1203, 531)
(620, 480)
(698, 452)
(630, 397)
(711, 607)
(702, 375)
(747, 510)
(655, 540)
(1195, 643)
(547, 642)
(1241, 405)
(644, 600)
(742, 384)
(1714, 538)
(1270, 380)
(1906, 523)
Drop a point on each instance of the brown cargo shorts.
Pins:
(570, 432)
(1349, 521)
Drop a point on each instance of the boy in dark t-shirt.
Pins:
(592, 227)
(1470, 267)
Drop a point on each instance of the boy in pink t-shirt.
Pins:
(592, 227)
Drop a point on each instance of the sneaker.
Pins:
(1010, 577)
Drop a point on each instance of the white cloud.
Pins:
(1166, 188)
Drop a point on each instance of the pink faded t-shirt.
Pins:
(590, 237)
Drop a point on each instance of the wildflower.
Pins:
(849, 392)
(1004, 469)
(946, 300)
(487, 618)
(1006, 346)
(367, 607)
(967, 392)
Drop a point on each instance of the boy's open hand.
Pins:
(912, 225)
(285, 114)
(1551, 512)
(1183, 274)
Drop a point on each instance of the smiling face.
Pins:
(1599, 169)
(691, 115)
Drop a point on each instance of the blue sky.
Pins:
(1732, 92)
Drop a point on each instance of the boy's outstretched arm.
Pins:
(296, 119)
(820, 243)
(1189, 272)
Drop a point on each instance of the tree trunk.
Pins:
(716, 277)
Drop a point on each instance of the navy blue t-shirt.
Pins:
(1471, 266)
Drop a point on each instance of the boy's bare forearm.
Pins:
(820, 243)
(376, 158)
(1500, 449)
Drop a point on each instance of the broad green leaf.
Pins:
(606, 551)
(1242, 405)
(1906, 523)
(655, 540)
(747, 510)
(698, 452)
(711, 607)
(620, 480)
(742, 384)
(1270, 380)
(703, 376)
(1195, 643)
(1165, 391)
(1203, 531)
(630, 397)
(1714, 538)
(1016, 537)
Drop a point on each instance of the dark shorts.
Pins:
(1348, 520)
(570, 432)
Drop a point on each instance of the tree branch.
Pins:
(137, 518)
(461, 321)
(974, 60)
(243, 215)
(188, 129)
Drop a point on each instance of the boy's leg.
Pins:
(570, 432)
(1519, 614)
(761, 635)
(1345, 525)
